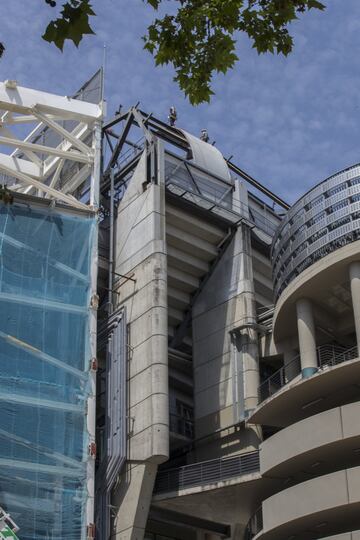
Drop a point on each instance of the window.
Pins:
(182, 419)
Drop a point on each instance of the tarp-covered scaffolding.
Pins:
(45, 267)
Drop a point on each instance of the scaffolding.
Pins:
(48, 281)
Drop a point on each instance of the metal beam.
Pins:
(257, 185)
(22, 100)
(54, 192)
(73, 156)
(142, 123)
(119, 144)
(77, 143)
(28, 119)
(166, 132)
(78, 179)
(33, 157)
(21, 165)
(57, 173)
(173, 135)
(116, 120)
(81, 132)
(120, 174)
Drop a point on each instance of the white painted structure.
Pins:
(37, 167)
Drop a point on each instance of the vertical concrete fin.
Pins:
(133, 499)
(140, 252)
(225, 350)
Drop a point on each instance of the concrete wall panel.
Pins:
(227, 302)
(350, 415)
(332, 501)
(299, 438)
(316, 434)
(211, 347)
(314, 496)
(212, 372)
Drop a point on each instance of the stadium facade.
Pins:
(179, 345)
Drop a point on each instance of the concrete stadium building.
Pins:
(179, 345)
(245, 322)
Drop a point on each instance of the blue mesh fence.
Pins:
(45, 259)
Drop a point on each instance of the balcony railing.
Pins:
(255, 525)
(207, 472)
(327, 356)
(279, 379)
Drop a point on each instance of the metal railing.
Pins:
(183, 179)
(327, 356)
(279, 379)
(255, 524)
(206, 472)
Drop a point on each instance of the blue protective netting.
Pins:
(44, 369)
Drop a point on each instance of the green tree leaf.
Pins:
(200, 39)
(72, 25)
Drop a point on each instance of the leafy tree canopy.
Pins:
(199, 37)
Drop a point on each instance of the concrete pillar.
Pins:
(131, 501)
(289, 366)
(250, 361)
(140, 251)
(249, 337)
(307, 340)
(354, 271)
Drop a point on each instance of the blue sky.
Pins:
(288, 122)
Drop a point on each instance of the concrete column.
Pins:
(354, 271)
(246, 306)
(307, 340)
(289, 366)
(132, 500)
(250, 361)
